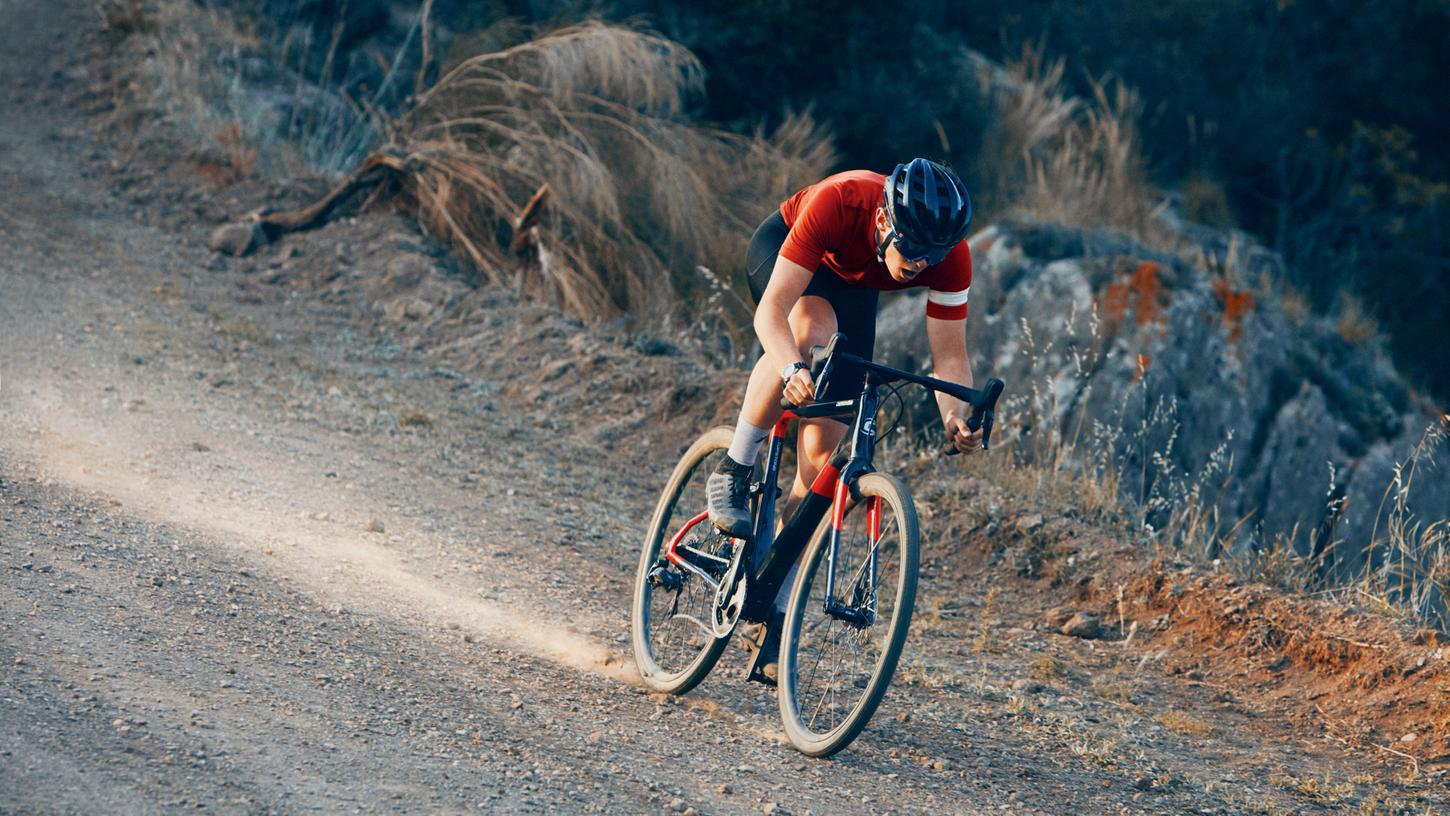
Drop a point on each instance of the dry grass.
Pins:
(644, 205)
(1180, 723)
(1353, 322)
(1115, 686)
(1412, 573)
(1046, 668)
(186, 61)
(648, 212)
(986, 623)
(1058, 157)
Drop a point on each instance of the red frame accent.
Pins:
(873, 518)
(823, 485)
(670, 554)
(838, 505)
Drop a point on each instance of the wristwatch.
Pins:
(790, 370)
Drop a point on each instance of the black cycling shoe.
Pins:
(727, 493)
(766, 666)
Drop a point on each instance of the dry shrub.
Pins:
(640, 197)
(1412, 575)
(1353, 322)
(188, 62)
(1057, 157)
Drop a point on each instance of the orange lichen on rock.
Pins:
(1146, 285)
(1235, 303)
(1142, 292)
(1113, 303)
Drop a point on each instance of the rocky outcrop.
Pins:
(1192, 376)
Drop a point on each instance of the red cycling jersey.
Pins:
(833, 224)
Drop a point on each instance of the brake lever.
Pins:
(983, 416)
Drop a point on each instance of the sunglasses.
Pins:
(912, 252)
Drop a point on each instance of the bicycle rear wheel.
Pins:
(673, 618)
(838, 653)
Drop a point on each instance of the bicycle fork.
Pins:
(862, 611)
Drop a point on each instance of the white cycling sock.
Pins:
(746, 442)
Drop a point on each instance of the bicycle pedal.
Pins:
(753, 633)
(763, 670)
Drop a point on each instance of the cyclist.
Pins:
(818, 265)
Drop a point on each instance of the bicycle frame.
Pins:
(772, 556)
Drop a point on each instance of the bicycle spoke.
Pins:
(675, 642)
(843, 649)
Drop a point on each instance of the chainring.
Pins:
(730, 597)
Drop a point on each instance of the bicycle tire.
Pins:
(680, 675)
(805, 637)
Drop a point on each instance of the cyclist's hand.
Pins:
(966, 439)
(800, 389)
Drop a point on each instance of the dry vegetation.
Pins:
(640, 198)
(1058, 157)
(1071, 469)
(188, 62)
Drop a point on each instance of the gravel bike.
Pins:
(851, 602)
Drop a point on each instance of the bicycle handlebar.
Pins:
(983, 401)
(983, 415)
(821, 358)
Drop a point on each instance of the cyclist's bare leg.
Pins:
(812, 321)
(817, 441)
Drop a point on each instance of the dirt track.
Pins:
(261, 553)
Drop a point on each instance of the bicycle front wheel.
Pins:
(839, 650)
(672, 625)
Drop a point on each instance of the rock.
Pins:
(374, 526)
(1083, 625)
(1059, 615)
(406, 308)
(216, 263)
(677, 805)
(237, 239)
(1029, 523)
(1198, 379)
(652, 346)
(407, 271)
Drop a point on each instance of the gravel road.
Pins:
(261, 553)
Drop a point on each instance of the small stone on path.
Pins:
(1083, 625)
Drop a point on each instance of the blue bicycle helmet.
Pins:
(928, 208)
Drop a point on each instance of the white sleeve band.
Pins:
(948, 298)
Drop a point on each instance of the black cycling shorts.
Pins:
(855, 307)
